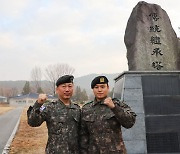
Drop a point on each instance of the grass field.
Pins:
(29, 140)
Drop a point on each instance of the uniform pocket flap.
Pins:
(109, 115)
(60, 119)
(76, 116)
(89, 118)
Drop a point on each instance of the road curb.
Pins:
(8, 144)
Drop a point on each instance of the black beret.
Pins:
(99, 80)
(65, 79)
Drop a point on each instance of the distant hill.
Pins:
(12, 84)
(84, 82)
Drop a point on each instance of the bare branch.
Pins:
(36, 76)
(53, 72)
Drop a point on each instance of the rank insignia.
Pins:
(102, 79)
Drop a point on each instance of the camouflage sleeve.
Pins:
(84, 136)
(35, 116)
(124, 114)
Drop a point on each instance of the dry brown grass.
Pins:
(5, 108)
(29, 140)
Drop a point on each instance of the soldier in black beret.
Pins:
(101, 121)
(62, 118)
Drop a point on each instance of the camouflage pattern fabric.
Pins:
(63, 124)
(101, 127)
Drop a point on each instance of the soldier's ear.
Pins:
(56, 89)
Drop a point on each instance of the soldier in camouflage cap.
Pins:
(62, 118)
(101, 121)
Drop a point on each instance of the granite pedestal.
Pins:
(155, 97)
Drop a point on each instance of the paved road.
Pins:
(7, 124)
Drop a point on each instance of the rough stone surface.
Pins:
(150, 40)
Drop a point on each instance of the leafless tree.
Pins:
(13, 92)
(1, 92)
(36, 76)
(10, 92)
(53, 72)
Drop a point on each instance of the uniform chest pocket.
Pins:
(111, 121)
(58, 118)
(76, 115)
(90, 122)
(109, 115)
(58, 124)
(58, 121)
(89, 118)
(61, 119)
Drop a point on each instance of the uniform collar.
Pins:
(71, 105)
(95, 102)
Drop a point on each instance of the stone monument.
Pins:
(152, 85)
(150, 39)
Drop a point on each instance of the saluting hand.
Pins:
(108, 101)
(42, 98)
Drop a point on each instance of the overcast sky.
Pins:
(85, 34)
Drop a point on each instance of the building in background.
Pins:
(3, 99)
(28, 99)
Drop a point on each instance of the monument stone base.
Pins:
(155, 97)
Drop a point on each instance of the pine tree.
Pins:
(80, 96)
(26, 88)
(39, 90)
(84, 95)
(77, 95)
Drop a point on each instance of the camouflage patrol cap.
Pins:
(99, 80)
(64, 79)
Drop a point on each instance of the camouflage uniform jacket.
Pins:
(101, 127)
(63, 124)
